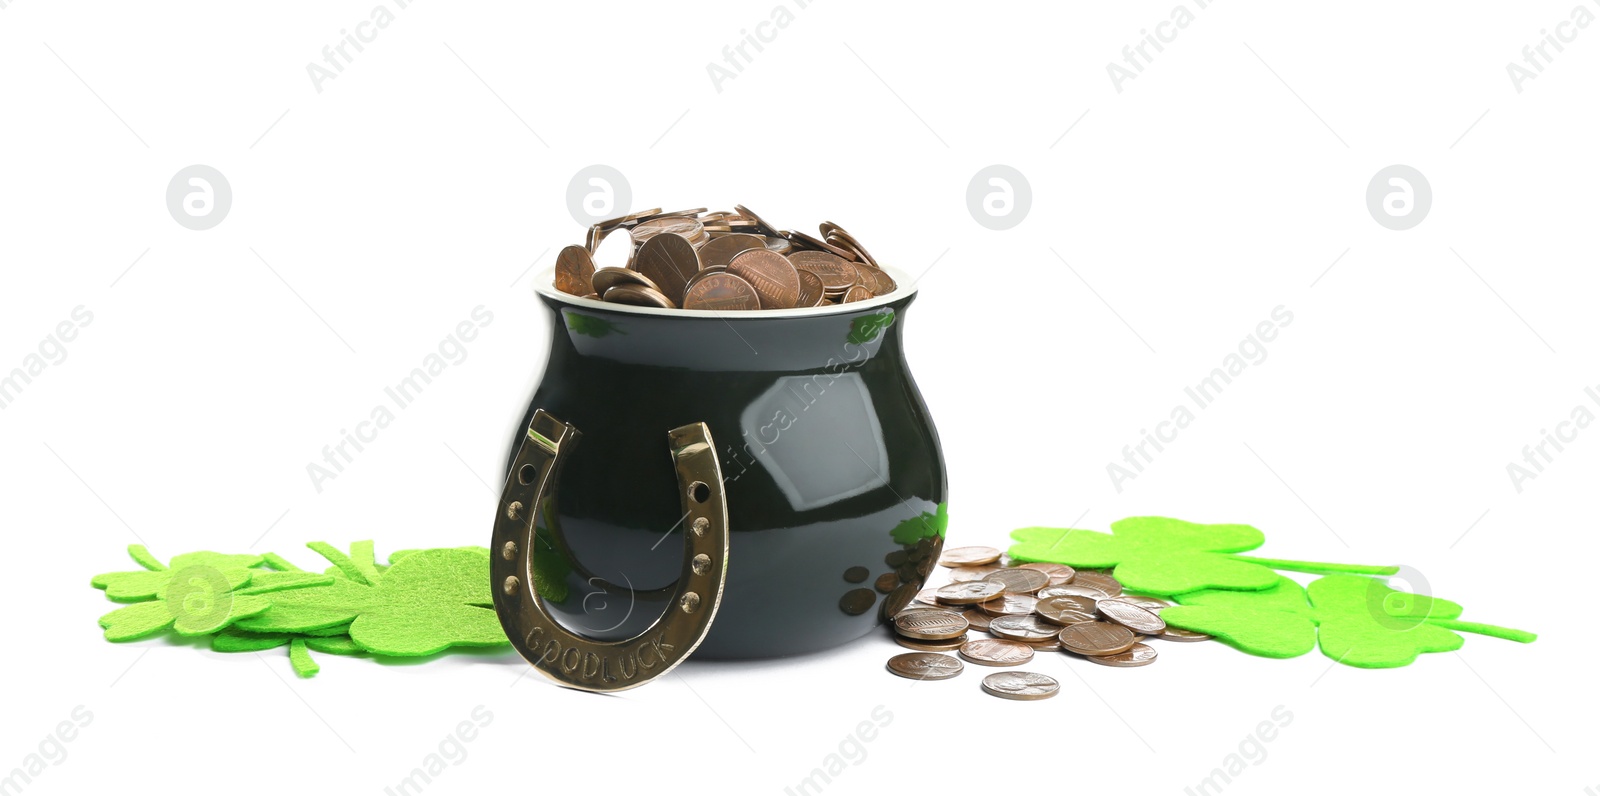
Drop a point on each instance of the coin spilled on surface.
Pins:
(1026, 608)
(720, 261)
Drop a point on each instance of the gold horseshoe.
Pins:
(571, 659)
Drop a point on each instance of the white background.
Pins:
(1167, 220)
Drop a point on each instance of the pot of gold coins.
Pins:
(726, 452)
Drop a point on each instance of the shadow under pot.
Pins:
(827, 464)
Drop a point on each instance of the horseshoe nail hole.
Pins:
(701, 564)
(526, 474)
(699, 526)
(511, 584)
(508, 551)
(689, 603)
(699, 492)
(511, 514)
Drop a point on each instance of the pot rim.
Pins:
(544, 284)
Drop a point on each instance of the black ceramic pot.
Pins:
(832, 473)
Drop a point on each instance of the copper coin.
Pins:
(574, 271)
(857, 601)
(687, 227)
(691, 213)
(897, 600)
(669, 261)
(1048, 645)
(1132, 617)
(1019, 581)
(886, 582)
(1060, 574)
(837, 274)
(638, 297)
(1137, 655)
(720, 291)
(1073, 588)
(1152, 604)
(836, 235)
(876, 280)
(968, 593)
(930, 624)
(1179, 634)
(915, 608)
(810, 289)
(856, 293)
(964, 574)
(607, 278)
(1021, 685)
(1103, 582)
(1024, 628)
(720, 251)
(978, 620)
(1068, 609)
(1009, 605)
(1096, 638)
(930, 645)
(611, 223)
(592, 237)
(770, 273)
(996, 652)
(855, 574)
(804, 241)
(853, 248)
(967, 556)
(778, 245)
(925, 666)
(766, 229)
(929, 596)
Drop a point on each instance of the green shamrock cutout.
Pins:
(1275, 622)
(199, 600)
(421, 604)
(1160, 555)
(1355, 620)
(146, 584)
(300, 646)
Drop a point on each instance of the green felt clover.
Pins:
(300, 646)
(422, 604)
(1363, 622)
(235, 640)
(195, 601)
(1160, 555)
(1275, 622)
(1355, 620)
(146, 584)
(200, 600)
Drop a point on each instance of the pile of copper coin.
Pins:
(1025, 609)
(724, 260)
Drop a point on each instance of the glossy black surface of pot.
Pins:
(832, 468)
